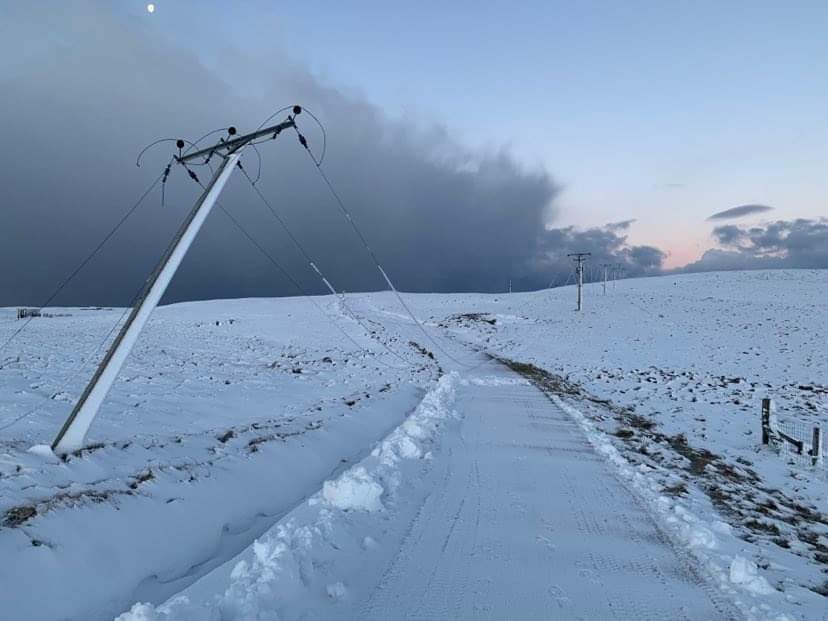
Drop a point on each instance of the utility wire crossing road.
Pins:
(526, 521)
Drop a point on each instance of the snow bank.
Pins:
(305, 557)
(745, 573)
(44, 452)
(356, 489)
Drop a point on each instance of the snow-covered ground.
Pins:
(227, 415)
(343, 453)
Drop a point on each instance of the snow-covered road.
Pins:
(525, 521)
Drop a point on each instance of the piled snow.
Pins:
(356, 489)
(745, 574)
(407, 441)
(45, 452)
(280, 567)
(336, 590)
(227, 415)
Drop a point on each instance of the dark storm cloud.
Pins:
(728, 235)
(782, 244)
(606, 244)
(739, 212)
(84, 90)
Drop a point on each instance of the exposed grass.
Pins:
(19, 515)
(142, 477)
(679, 489)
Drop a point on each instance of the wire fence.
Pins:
(796, 442)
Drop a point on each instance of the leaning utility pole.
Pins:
(73, 433)
(580, 258)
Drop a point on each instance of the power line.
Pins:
(312, 264)
(76, 426)
(286, 274)
(81, 365)
(296, 284)
(88, 258)
(324, 279)
(571, 274)
(370, 251)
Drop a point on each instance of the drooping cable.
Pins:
(293, 281)
(86, 260)
(259, 159)
(80, 365)
(296, 283)
(159, 141)
(312, 264)
(275, 114)
(347, 214)
(194, 144)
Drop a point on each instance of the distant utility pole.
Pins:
(606, 267)
(510, 285)
(616, 271)
(580, 258)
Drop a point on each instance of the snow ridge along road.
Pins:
(502, 511)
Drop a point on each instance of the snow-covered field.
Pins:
(286, 422)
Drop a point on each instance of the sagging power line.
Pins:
(73, 432)
(228, 150)
(358, 232)
(315, 268)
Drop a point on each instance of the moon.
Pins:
(150, 8)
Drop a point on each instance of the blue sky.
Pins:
(665, 112)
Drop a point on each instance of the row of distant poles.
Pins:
(580, 259)
(612, 271)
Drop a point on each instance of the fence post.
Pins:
(816, 449)
(766, 409)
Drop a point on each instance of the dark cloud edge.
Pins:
(739, 212)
